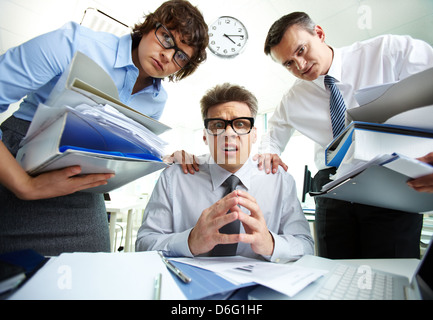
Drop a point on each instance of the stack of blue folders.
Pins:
(393, 117)
(365, 140)
(84, 123)
(376, 153)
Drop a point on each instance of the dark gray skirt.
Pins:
(73, 223)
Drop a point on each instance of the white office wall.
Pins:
(344, 21)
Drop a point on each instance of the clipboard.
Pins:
(381, 187)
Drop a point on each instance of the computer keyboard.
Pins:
(346, 283)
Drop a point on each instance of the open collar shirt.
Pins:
(178, 200)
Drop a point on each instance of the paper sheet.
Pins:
(412, 168)
(122, 125)
(368, 94)
(409, 93)
(418, 118)
(287, 279)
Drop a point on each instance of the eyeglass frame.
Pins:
(174, 46)
(228, 122)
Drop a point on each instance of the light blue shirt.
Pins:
(178, 201)
(33, 68)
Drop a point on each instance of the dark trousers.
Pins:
(346, 230)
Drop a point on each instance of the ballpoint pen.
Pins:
(157, 287)
(175, 270)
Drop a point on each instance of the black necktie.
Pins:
(337, 107)
(231, 228)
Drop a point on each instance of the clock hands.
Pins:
(233, 35)
(229, 38)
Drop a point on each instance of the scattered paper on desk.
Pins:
(287, 279)
(100, 276)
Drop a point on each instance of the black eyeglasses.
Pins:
(241, 125)
(166, 39)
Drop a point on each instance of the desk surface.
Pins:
(131, 276)
(120, 206)
(101, 276)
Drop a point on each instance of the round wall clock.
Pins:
(227, 37)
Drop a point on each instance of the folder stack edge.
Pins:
(394, 123)
(86, 83)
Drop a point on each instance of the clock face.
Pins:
(227, 37)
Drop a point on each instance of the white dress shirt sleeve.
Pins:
(280, 131)
(157, 231)
(410, 55)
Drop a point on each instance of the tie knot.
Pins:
(329, 80)
(231, 182)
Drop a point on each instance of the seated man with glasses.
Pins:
(186, 214)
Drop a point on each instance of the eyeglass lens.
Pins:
(239, 125)
(167, 41)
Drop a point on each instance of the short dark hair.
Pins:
(227, 92)
(187, 20)
(279, 28)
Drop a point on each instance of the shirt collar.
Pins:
(124, 48)
(124, 60)
(219, 174)
(334, 71)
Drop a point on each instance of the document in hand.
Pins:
(63, 136)
(379, 103)
(85, 82)
(84, 123)
(381, 182)
(365, 140)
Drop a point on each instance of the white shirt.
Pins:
(305, 107)
(179, 199)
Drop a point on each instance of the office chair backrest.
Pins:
(307, 183)
(97, 20)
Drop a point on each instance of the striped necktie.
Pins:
(337, 107)
(231, 228)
